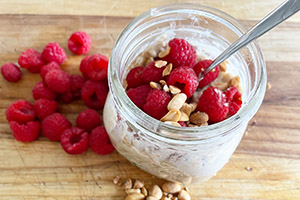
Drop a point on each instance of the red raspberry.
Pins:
(41, 90)
(100, 142)
(213, 103)
(181, 53)
(46, 68)
(88, 120)
(156, 103)
(135, 77)
(53, 52)
(234, 99)
(54, 125)
(93, 93)
(96, 67)
(58, 81)
(20, 111)
(185, 79)
(74, 140)
(44, 107)
(31, 60)
(210, 77)
(79, 43)
(66, 97)
(138, 95)
(83, 65)
(25, 132)
(77, 83)
(11, 72)
(152, 73)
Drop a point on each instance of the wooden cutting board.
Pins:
(265, 166)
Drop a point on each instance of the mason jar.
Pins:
(183, 154)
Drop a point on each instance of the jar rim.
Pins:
(188, 133)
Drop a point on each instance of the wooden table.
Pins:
(265, 166)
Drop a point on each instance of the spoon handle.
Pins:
(281, 13)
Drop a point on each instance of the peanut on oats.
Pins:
(177, 101)
(235, 81)
(174, 90)
(199, 118)
(172, 123)
(149, 60)
(155, 85)
(160, 63)
(173, 115)
(183, 117)
(223, 66)
(164, 53)
(167, 70)
(166, 88)
(188, 108)
(221, 85)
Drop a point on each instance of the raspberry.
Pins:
(182, 124)
(234, 99)
(93, 93)
(83, 65)
(138, 95)
(135, 77)
(66, 97)
(54, 125)
(20, 111)
(44, 107)
(213, 103)
(40, 90)
(31, 60)
(88, 120)
(46, 68)
(79, 43)
(25, 132)
(181, 53)
(152, 73)
(96, 67)
(53, 52)
(11, 72)
(77, 83)
(100, 142)
(156, 103)
(210, 77)
(58, 81)
(185, 79)
(74, 140)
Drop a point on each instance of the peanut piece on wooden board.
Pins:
(171, 187)
(144, 191)
(173, 115)
(177, 101)
(160, 63)
(184, 195)
(127, 184)
(130, 191)
(138, 184)
(135, 196)
(151, 198)
(156, 192)
(117, 180)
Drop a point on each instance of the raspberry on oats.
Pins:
(53, 52)
(96, 67)
(46, 68)
(58, 81)
(181, 53)
(79, 43)
(27, 132)
(152, 73)
(210, 77)
(185, 79)
(83, 65)
(213, 103)
(20, 111)
(156, 103)
(88, 120)
(139, 94)
(44, 107)
(74, 140)
(54, 125)
(234, 99)
(31, 60)
(99, 141)
(40, 90)
(94, 93)
(11, 72)
(135, 77)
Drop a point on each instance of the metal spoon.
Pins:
(280, 14)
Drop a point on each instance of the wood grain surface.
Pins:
(265, 166)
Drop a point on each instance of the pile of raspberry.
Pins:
(166, 86)
(28, 121)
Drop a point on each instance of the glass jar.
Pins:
(183, 154)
